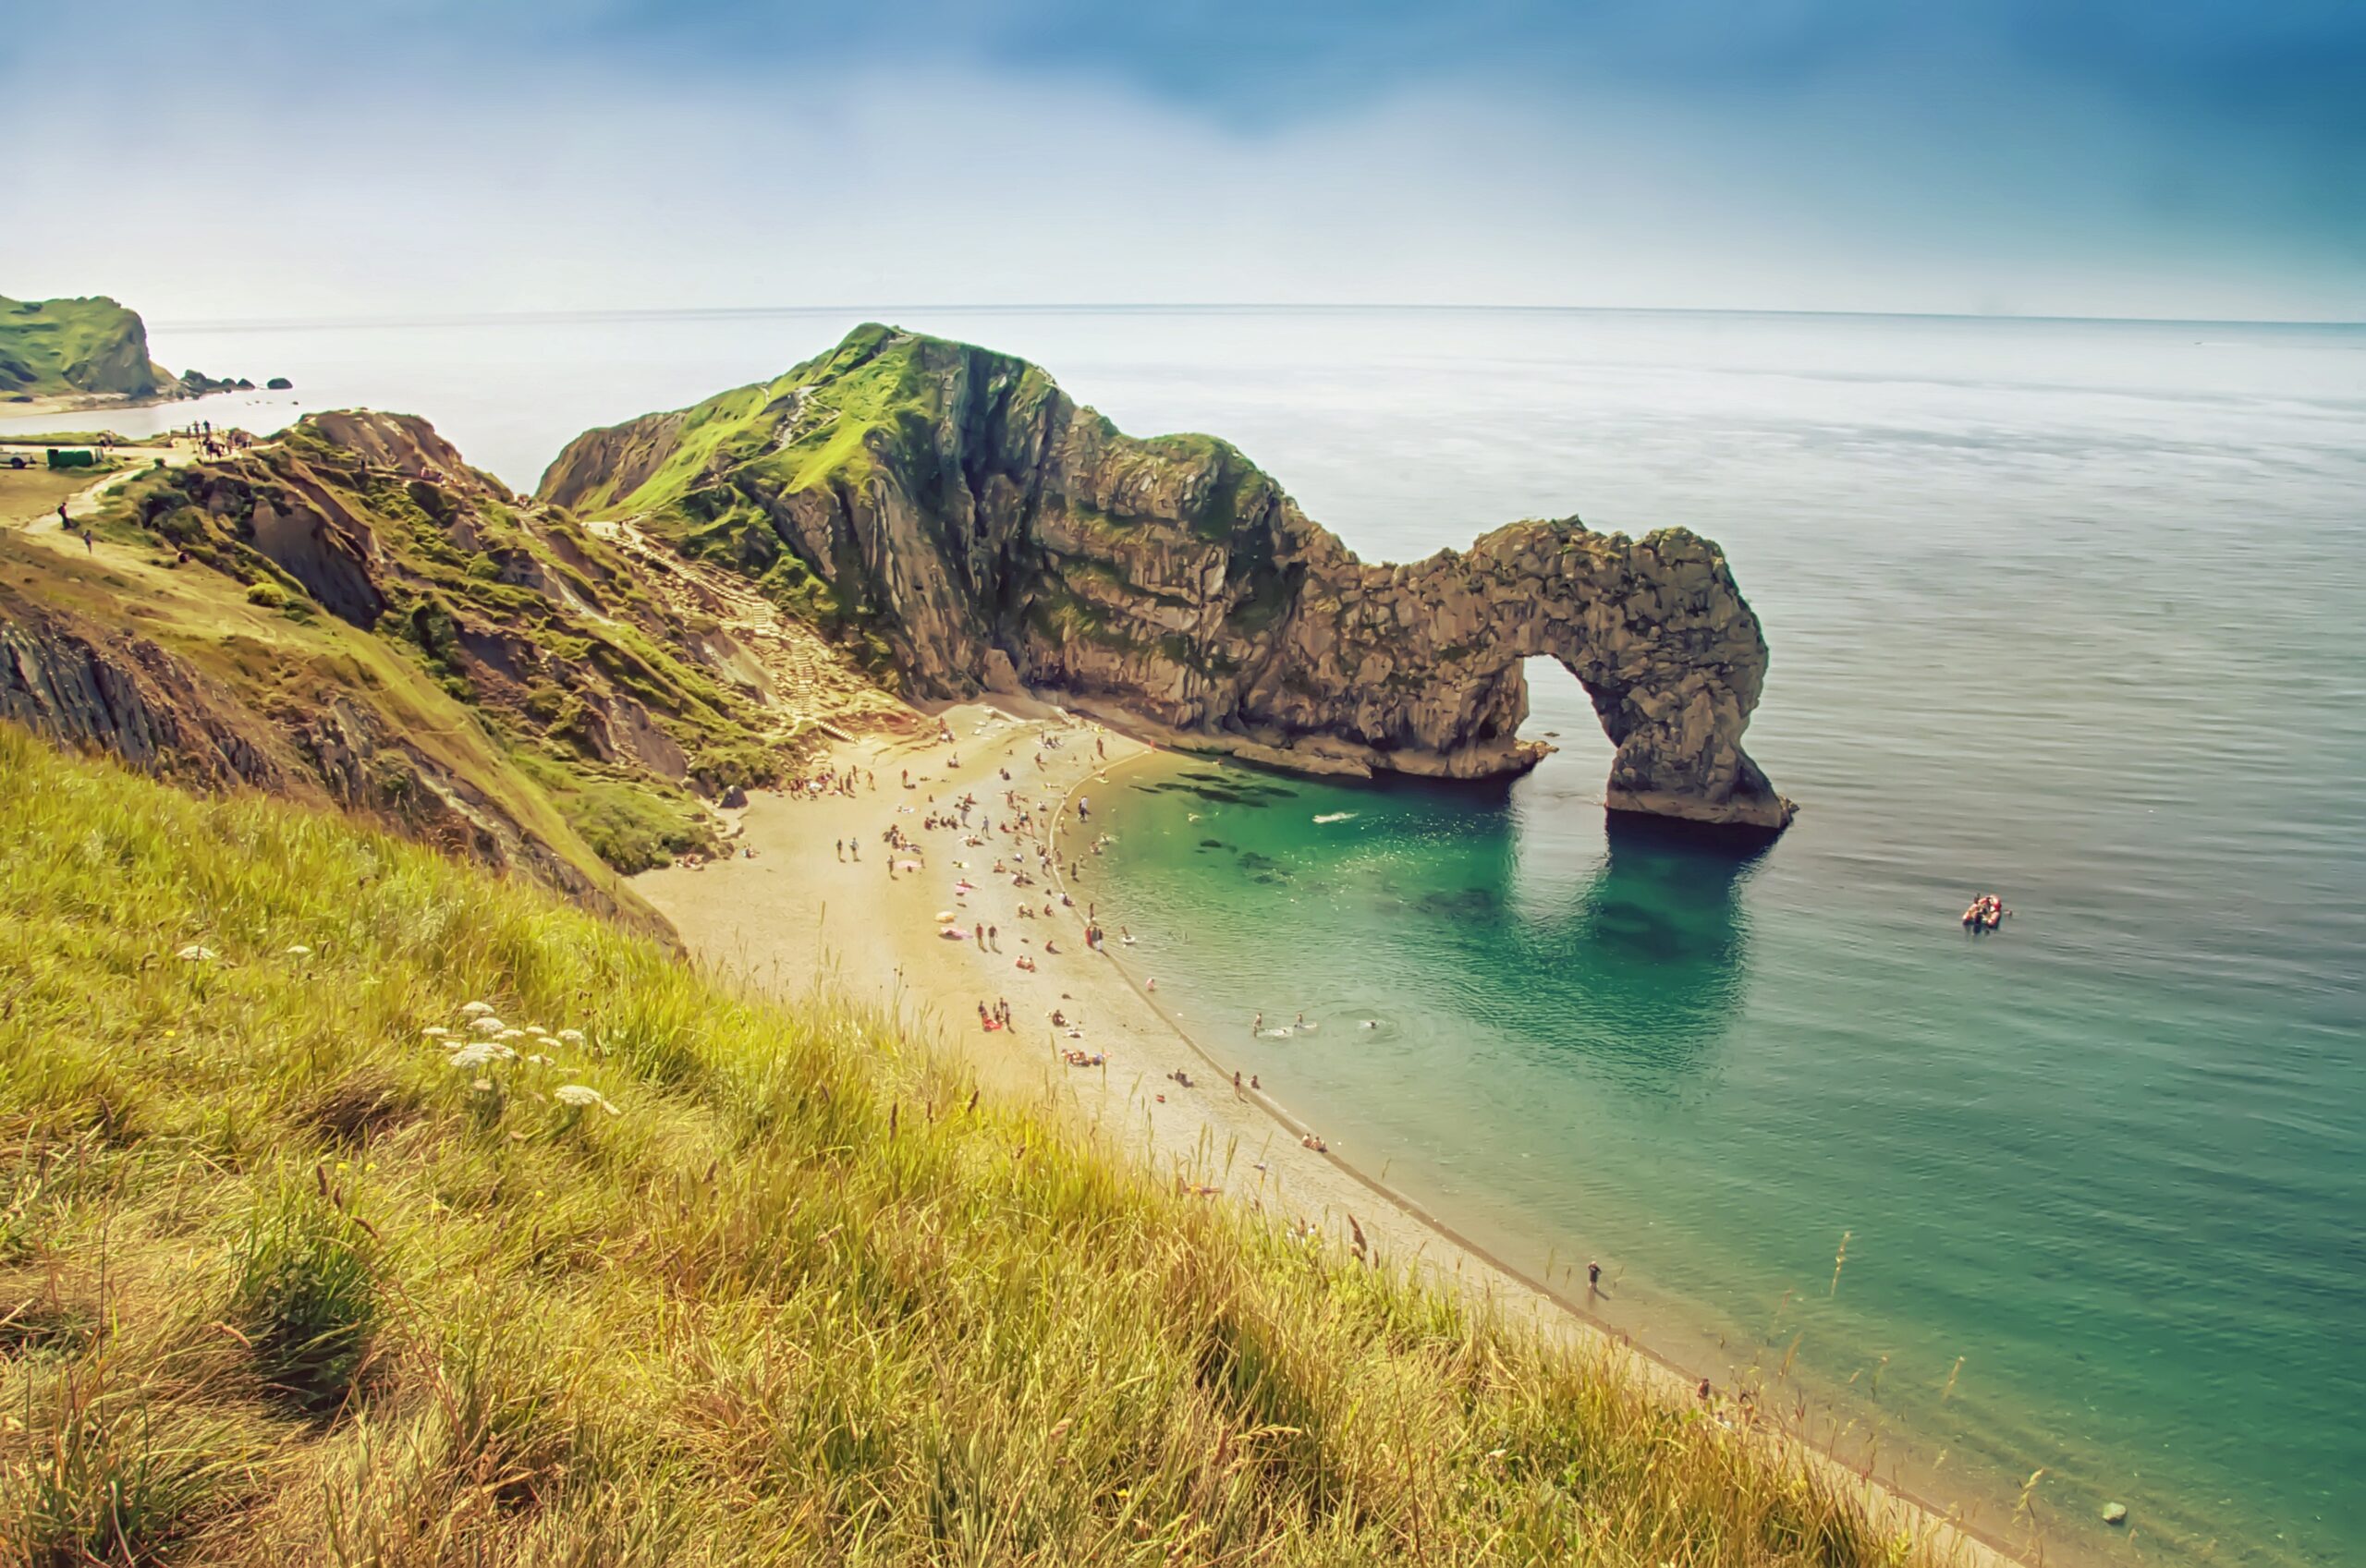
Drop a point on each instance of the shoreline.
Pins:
(1190, 1133)
(50, 404)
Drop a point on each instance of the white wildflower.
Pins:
(571, 1037)
(436, 1031)
(584, 1094)
(481, 1053)
(299, 951)
(194, 954)
(475, 1009)
(539, 1060)
(486, 1024)
(536, 1029)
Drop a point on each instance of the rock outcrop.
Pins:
(954, 510)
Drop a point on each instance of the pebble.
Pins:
(2115, 1513)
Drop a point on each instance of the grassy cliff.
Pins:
(64, 346)
(350, 611)
(653, 1272)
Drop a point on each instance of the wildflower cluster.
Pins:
(484, 1045)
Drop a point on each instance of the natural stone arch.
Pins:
(1420, 665)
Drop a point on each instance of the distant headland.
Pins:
(61, 354)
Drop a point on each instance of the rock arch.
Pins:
(1419, 667)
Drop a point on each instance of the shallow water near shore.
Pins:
(2065, 611)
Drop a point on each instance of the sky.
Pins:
(259, 160)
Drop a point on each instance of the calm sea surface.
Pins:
(2067, 611)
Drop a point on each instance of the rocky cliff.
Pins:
(954, 513)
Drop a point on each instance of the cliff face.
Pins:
(956, 511)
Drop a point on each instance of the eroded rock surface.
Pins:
(954, 507)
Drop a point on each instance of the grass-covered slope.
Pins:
(63, 346)
(660, 1274)
(712, 480)
(540, 629)
(383, 623)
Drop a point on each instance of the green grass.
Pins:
(75, 346)
(714, 1280)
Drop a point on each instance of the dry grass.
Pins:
(280, 1284)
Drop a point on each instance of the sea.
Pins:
(2071, 612)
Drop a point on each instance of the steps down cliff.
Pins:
(959, 520)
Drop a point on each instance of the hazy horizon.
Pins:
(1025, 307)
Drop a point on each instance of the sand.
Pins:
(797, 915)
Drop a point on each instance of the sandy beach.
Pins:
(814, 894)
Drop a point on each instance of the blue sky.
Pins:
(2181, 157)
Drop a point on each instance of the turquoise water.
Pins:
(2083, 645)
(2067, 611)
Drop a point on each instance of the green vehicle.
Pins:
(73, 458)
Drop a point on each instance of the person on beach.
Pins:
(1593, 1275)
(1257, 1025)
(993, 938)
(840, 846)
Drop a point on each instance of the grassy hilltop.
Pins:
(63, 346)
(690, 1278)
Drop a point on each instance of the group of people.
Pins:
(830, 780)
(1987, 913)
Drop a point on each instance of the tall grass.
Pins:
(280, 1283)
